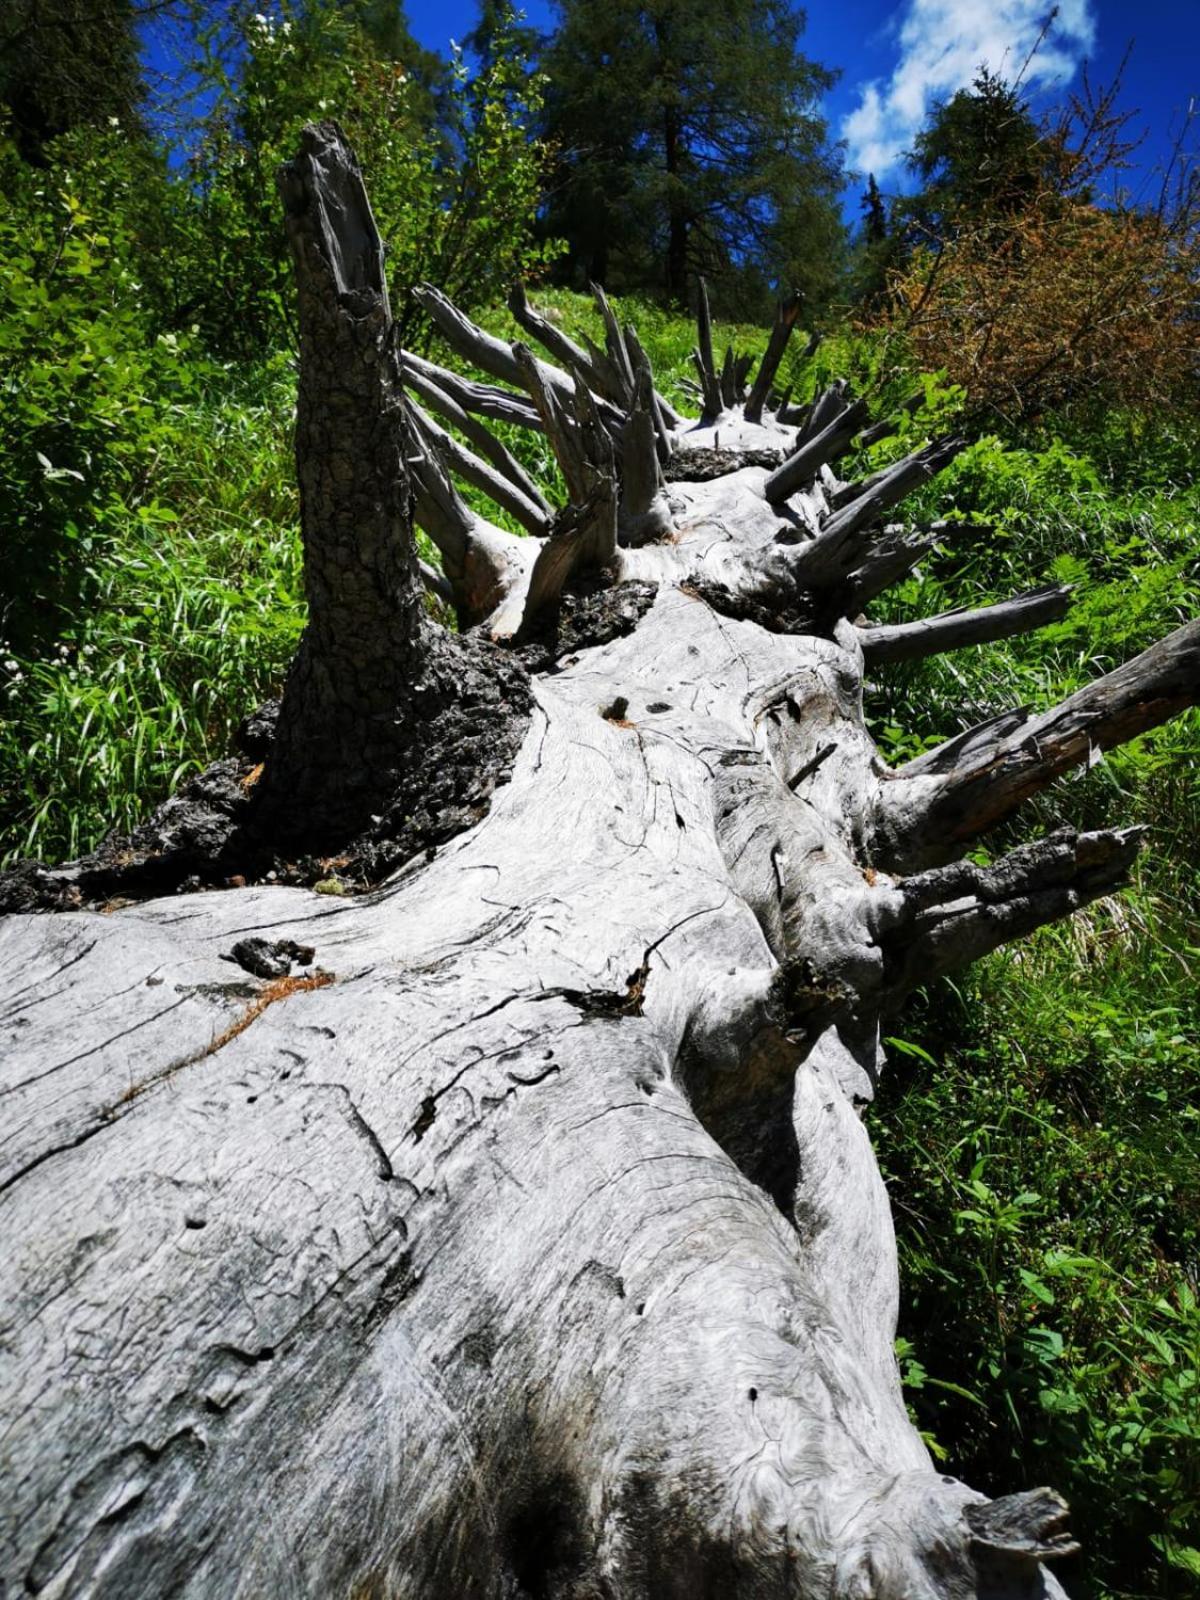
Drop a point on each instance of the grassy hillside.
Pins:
(1040, 1127)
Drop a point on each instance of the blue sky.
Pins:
(894, 59)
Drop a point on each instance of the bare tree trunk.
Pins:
(372, 678)
(521, 1237)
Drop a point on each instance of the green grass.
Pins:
(1040, 1128)
(1039, 1138)
(193, 611)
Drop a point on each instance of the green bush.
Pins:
(455, 194)
(194, 610)
(86, 383)
(1040, 1142)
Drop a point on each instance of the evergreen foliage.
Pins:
(67, 64)
(690, 142)
(980, 152)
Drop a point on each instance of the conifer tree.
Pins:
(876, 251)
(981, 150)
(874, 213)
(66, 64)
(690, 142)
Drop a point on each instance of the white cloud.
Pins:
(943, 43)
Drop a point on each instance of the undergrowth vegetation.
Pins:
(1040, 1125)
(1040, 1128)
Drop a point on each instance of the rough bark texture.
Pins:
(513, 1230)
(371, 676)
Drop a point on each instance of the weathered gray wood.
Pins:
(492, 355)
(526, 1241)
(484, 440)
(950, 916)
(836, 552)
(887, 426)
(956, 793)
(826, 408)
(323, 1255)
(728, 379)
(365, 641)
(500, 405)
(584, 537)
(665, 418)
(482, 564)
(645, 514)
(952, 630)
(704, 360)
(560, 345)
(786, 313)
(572, 423)
(817, 451)
(593, 363)
(614, 340)
(533, 515)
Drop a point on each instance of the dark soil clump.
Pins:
(213, 833)
(593, 611)
(698, 466)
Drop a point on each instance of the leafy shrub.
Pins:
(86, 384)
(456, 196)
(1040, 1141)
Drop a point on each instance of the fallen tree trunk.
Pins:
(512, 1230)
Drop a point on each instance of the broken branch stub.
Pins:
(819, 450)
(786, 313)
(366, 633)
(484, 440)
(837, 549)
(952, 630)
(373, 674)
(951, 795)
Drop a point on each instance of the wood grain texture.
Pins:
(525, 1240)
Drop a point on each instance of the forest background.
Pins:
(1040, 1125)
